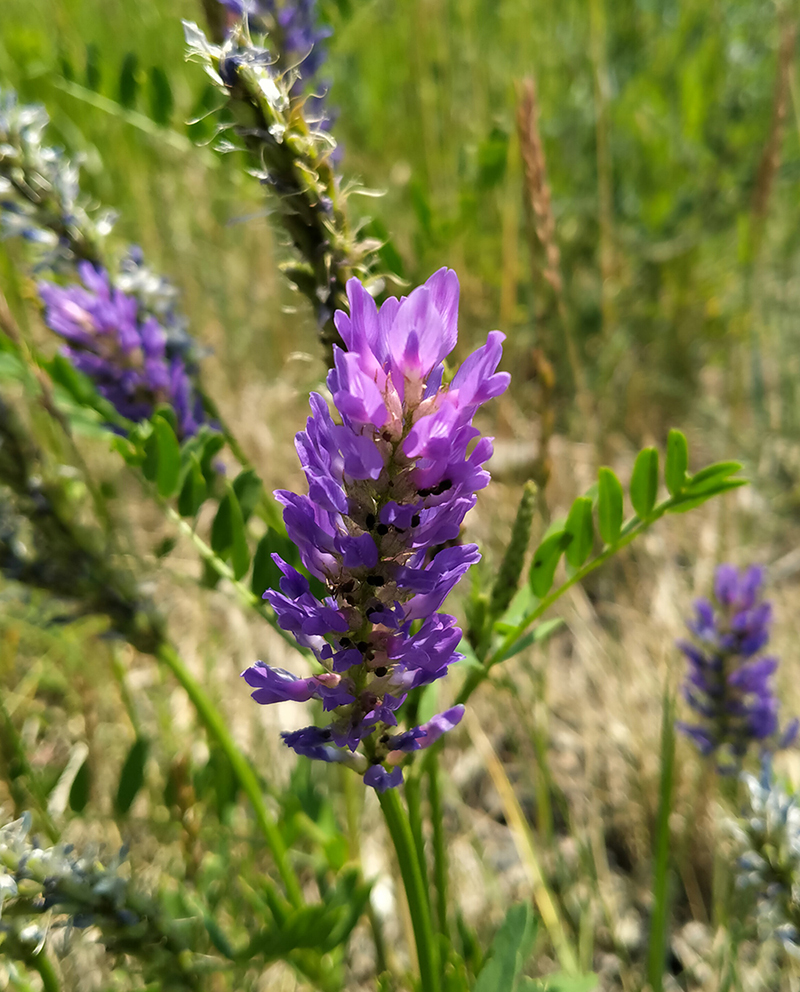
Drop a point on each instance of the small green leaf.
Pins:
(212, 445)
(609, 505)
(509, 952)
(80, 789)
(248, 489)
(690, 499)
(644, 482)
(711, 475)
(222, 528)
(545, 560)
(266, 574)
(540, 633)
(677, 462)
(240, 552)
(93, 74)
(581, 530)
(128, 82)
(160, 94)
(131, 777)
(169, 458)
(193, 491)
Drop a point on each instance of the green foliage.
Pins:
(575, 535)
(509, 952)
(580, 529)
(81, 788)
(609, 505)
(131, 778)
(545, 561)
(644, 482)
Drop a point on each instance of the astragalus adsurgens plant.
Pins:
(728, 684)
(388, 489)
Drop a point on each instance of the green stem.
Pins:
(415, 888)
(414, 803)
(661, 870)
(439, 848)
(217, 729)
(42, 963)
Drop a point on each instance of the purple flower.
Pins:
(726, 686)
(388, 489)
(300, 35)
(124, 353)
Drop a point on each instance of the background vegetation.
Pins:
(670, 131)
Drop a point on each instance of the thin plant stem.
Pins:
(415, 887)
(44, 966)
(414, 801)
(217, 729)
(352, 804)
(439, 848)
(661, 870)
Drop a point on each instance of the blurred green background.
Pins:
(678, 246)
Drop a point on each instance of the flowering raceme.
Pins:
(124, 354)
(727, 685)
(388, 488)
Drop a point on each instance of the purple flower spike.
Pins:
(388, 489)
(727, 687)
(123, 354)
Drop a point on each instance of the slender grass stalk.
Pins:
(605, 180)
(537, 190)
(523, 840)
(216, 727)
(661, 869)
(414, 883)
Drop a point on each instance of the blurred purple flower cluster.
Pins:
(122, 352)
(388, 489)
(728, 685)
(296, 20)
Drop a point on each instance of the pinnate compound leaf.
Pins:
(677, 462)
(131, 777)
(609, 505)
(509, 952)
(644, 482)
(580, 528)
(545, 560)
